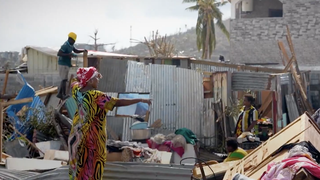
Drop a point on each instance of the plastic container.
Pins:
(139, 125)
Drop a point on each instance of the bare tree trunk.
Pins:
(206, 54)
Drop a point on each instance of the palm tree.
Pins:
(208, 12)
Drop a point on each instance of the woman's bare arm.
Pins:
(128, 102)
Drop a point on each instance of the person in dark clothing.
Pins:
(65, 54)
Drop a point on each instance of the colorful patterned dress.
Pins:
(87, 139)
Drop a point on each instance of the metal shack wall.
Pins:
(39, 62)
(114, 75)
(138, 77)
(189, 96)
(255, 81)
(177, 96)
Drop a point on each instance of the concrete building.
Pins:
(257, 25)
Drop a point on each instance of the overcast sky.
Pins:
(47, 23)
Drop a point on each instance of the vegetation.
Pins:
(42, 122)
(208, 13)
(159, 46)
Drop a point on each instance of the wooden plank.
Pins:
(260, 154)
(288, 65)
(47, 91)
(85, 59)
(297, 74)
(219, 168)
(5, 83)
(237, 66)
(46, 101)
(266, 104)
(283, 50)
(31, 143)
(1, 128)
(19, 101)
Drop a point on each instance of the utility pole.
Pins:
(130, 34)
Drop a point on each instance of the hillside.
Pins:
(185, 44)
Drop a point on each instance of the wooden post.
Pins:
(1, 128)
(85, 59)
(5, 83)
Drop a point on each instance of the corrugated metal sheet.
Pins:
(163, 92)
(207, 68)
(116, 124)
(137, 171)
(146, 171)
(242, 81)
(177, 96)
(292, 108)
(39, 62)
(208, 127)
(126, 133)
(7, 174)
(114, 75)
(189, 96)
(138, 78)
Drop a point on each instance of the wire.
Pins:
(214, 175)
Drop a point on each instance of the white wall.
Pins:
(40, 63)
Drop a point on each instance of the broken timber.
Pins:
(2, 105)
(294, 68)
(255, 163)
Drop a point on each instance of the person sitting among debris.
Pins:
(65, 54)
(234, 152)
(248, 116)
(88, 136)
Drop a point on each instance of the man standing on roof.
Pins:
(65, 54)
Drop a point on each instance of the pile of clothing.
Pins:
(301, 155)
(173, 142)
(133, 151)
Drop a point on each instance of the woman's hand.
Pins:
(148, 101)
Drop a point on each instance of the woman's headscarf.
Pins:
(85, 74)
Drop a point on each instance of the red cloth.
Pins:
(289, 167)
(166, 146)
(85, 74)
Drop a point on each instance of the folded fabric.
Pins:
(191, 138)
(286, 169)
